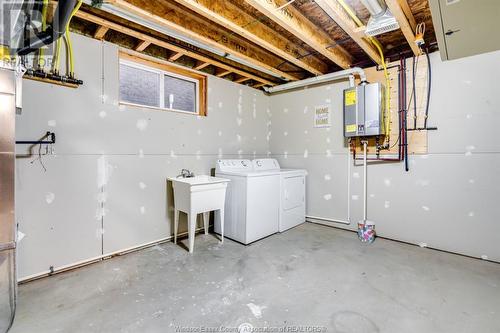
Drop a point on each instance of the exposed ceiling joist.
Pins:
(142, 45)
(200, 65)
(404, 22)
(185, 23)
(242, 79)
(100, 32)
(175, 56)
(258, 85)
(232, 17)
(144, 37)
(222, 72)
(337, 13)
(294, 22)
(408, 13)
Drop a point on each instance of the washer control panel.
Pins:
(234, 165)
(265, 164)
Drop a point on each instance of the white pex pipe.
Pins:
(318, 79)
(348, 220)
(365, 183)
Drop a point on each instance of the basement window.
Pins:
(150, 84)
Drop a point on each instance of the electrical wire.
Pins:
(56, 58)
(44, 25)
(388, 88)
(429, 83)
(413, 88)
(285, 5)
(379, 48)
(39, 158)
(68, 40)
(414, 78)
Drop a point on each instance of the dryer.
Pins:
(252, 207)
(292, 192)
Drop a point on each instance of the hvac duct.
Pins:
(375, 7)
(381, 20)
(53, 32)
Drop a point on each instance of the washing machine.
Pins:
(252, 208)
(292, 192)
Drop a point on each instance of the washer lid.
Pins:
(249, 174)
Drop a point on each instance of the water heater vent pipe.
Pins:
(344, 74)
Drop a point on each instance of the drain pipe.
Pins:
(365, 182)
(318, 79)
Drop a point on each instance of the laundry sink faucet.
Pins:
(185, 173)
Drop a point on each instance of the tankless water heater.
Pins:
(364, 110)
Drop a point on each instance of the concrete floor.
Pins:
(309, 276)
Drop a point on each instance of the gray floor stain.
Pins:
(308, 276)
(353, 322)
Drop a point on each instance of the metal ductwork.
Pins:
(381, 20)
(53, 32)
(375, 7)
(326, 78)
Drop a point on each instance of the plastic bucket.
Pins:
(366, 231)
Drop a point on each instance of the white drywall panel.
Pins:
(447, 200)
(56, 211)
(130, 151)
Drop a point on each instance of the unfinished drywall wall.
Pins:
(447, 200)
(104, 188)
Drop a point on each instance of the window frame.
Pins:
(165, 69)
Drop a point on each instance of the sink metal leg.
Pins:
(221, 220)
(176, 225)
(206, 218)
(191, 230)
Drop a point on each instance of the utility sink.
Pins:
(195, 195)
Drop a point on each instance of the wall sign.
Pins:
(322, 116)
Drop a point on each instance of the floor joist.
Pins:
(232, 17)
(142, 46)
(407, 28)
(297, 24)
(185, 23)
(342, 19)
(169, 46)
(100, 32)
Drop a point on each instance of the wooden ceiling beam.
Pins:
(242, 79)
(408, 13)
(200, 65)
(175, 56)
(297, 24)
(258, 85)
(337, 13)
(220, 72)
(142, 36)
(184, 22)
(142, 46)
(407, 24)
(100, 32)
(234, 18)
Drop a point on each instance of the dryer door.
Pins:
(293, 192)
